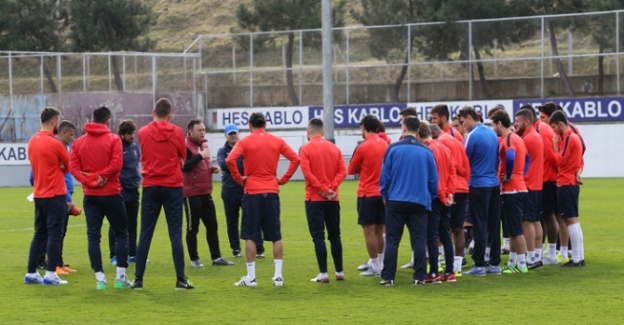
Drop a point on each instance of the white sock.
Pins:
(506, 243)
(121, 271)
(50, 274)
(521, 261)
(339, 273)
(322, 275)
(532, 257)
(582, 246)
(471, 245)
(99, 276)
(575, 238)
(32, 274)
(513, 258)
(375, 264)
(251, 271)
(564, 249)
(538, 254)
(381, 258)
(278, 268)
(457, 263)
(552, 252)
(440, 250)
(487, 254)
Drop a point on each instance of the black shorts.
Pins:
(261, 215)
(458, 211)
(567, 201)
(549, 199)
(371, 211)
(512, 206)
(533, 206)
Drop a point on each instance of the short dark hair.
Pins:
(455, 118)
(435, 130)
(193, 122)
(162, 108)
(66, 125)
(441, 110)
(316, 124)
(469, 111)
(257, 120)
(527, 106)
(547, 108)
(408, 111)
(527, 114)
(558, 116)
(412, 123)
(126, 127)
(501, 116)
(370, 122)
(48, 114)
(494, 110)
(101, 115)
(381, 127)
(423, 130)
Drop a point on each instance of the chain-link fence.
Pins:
(527, 57)
(77, 83)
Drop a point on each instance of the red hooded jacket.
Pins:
(162, 152)
(98, 153)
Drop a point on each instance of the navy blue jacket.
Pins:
(482, 149)
(227, 182)
(130, 177)
(409, 173)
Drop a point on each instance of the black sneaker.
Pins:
(387, 283)
(137, 284)
(571, 263)
(419, 283)
(464, 262)
(535, 265)
(582, 262)
(237, 253)
(184, 284)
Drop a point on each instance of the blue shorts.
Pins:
(512, 207)
(568, 201)
(533, 206)
(549, 199)
(261, 215)
(371, 211)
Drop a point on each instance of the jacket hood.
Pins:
(161, 131)
(96, 129)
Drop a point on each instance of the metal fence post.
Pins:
(110, 84)
(300, 67)
(123, 64)
(542, 62)
(617, 50)
(41, 73)
(348, 67)
(10, 84)
(470, 72)
(84, 74)
(409, 61)
(251, 50)
(154, 80)
(58, 73)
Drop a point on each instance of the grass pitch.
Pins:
(593, 294)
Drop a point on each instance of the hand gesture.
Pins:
(205, 153)
(215, 169)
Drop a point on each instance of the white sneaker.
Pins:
(54, 281)
(197, 263)
(320, 279)
(371, 272)
(246, 283)
(278, 281)
(365, 266)
(30, 279)
(548, 261)
(408, 265)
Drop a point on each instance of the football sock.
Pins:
(506, 243)
(564, 249)
(538, 254)
(120, 272)
(251, 270)
(487, 254)
(381, 258)
(531, 255)
(512, 259)
(375, 264)
(582, 245)
(278, 268)
(457, 263)
(339, 273)
(49, 274)
(99, 276)
(552, 252)
(521, 261)
(32, 274)
(575, 239)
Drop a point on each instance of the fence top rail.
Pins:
(17, 54)
(355, 27)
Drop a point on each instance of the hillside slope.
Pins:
(181, 21)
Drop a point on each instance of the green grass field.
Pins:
(593, 294)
